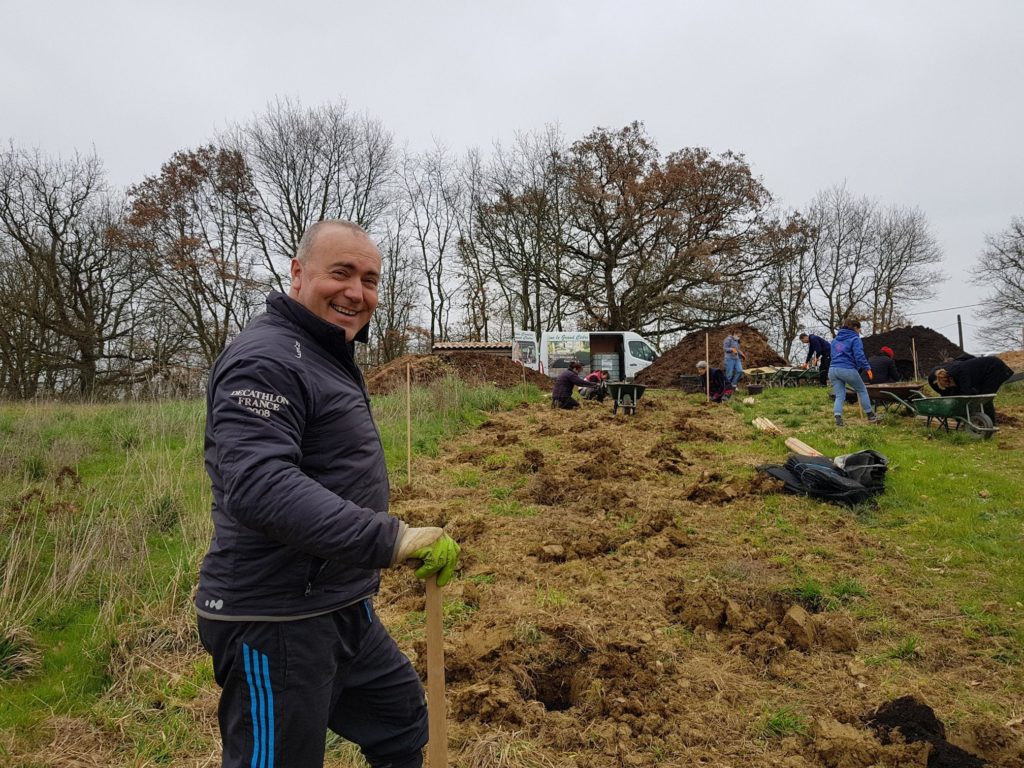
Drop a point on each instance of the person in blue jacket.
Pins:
(301, 528)
(847, 364)
(818, 348)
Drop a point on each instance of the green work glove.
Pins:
(441, 557)
(433, 546)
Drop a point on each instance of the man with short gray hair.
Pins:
(301, 528)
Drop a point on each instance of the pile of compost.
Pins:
(932, 349)
(682, 359)
(470, 367)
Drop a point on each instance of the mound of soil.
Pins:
(471, 367)
(682, 359)
(1014, 359)
(932, 348)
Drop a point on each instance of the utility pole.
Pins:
(960, 330)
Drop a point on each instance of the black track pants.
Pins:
(285, 683)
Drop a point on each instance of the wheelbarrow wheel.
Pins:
(978, 426)
(627, 405)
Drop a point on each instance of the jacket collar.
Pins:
(330, 336)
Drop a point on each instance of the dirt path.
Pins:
(629, 598)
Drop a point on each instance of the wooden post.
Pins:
(913, 350)
(437, 724)
(707, 371)
(408, 423)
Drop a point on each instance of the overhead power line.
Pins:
(947, 309)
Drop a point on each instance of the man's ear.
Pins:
(296, 273)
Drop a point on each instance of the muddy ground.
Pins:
(623, 603)
(474, 368)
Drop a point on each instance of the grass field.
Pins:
(104, 516)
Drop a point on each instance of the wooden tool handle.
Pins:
(437, 746)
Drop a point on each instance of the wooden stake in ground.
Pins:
(437, 746)
(913, 350)
(408, 423)
(707, 371)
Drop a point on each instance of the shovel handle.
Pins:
(437, 746)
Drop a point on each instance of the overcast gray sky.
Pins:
(911, 103)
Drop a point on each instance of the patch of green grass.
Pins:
(906, 649)
(482, 578)
(809, 593)
(512, 508)
(496, 461)
(467, 478)
(502, 492)
(457, 612)
(847, 589)
(779, 722)
(549, 597)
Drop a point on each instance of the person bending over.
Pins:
(883, 367)
(600, 390)
(818, 350)
(975, 376)
(719, 388)
(561, 395)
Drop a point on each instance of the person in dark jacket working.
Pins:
(848, 363)
(818, 348)
(974, 376)
(719, 387)
(883, 367)
(561, 395)
(301, 528)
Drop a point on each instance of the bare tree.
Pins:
(786, 284)
(26, 347)
(434, 197)
(905, 269)
(56, 217)
(187, 225)
(843, 252)
(309, 164)
(397, 290)
(1000, 269)
(522, 224)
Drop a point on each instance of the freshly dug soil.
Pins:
(623, 602)
(932, 349)
(471, 367)
(1014, 359)
(682, 359)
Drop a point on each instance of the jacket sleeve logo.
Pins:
(260, 403)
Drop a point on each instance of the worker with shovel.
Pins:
(301, 528)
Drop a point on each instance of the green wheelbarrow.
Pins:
(624, 396)
(965, 411)
(894, 396)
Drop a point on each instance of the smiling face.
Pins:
(338, 279)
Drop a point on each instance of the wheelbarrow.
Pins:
(964, 410)
(624, 396)
(881, 395)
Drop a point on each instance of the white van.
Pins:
(621, 353)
